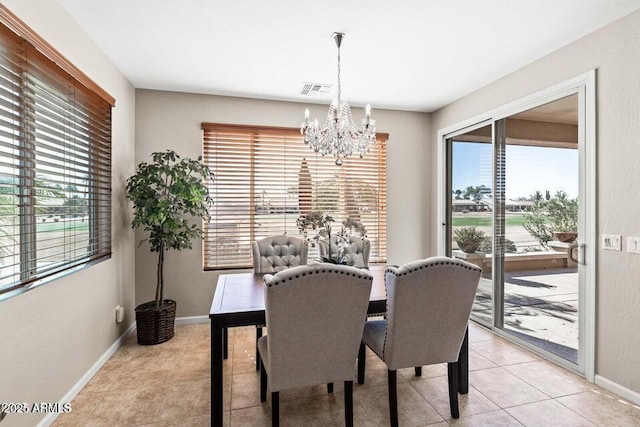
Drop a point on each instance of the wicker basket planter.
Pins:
(155, 326)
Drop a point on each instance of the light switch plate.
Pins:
(633, 245)
(612, 242)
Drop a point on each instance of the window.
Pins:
(266, 177)
(55, 164)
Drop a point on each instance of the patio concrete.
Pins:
(541, 306)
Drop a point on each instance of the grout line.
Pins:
(579, 414)
(361, 390)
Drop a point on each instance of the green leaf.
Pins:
(167, 194)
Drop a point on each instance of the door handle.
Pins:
(575, 252)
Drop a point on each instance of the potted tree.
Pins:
(563, 215)
(166, 193)
(552, 217)
(468, 239)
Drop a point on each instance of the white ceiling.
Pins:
(409, 55)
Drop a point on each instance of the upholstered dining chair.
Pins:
(315, 315)
(277, 253)
(270, 255)
(357, 251)
(428, 307)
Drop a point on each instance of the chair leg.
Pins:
(263, 381)
(329, 387)
(418, 371)
(362, 362)
(258, 335)
(348, 403)
(275, 409)
(452, 371)
(225, 343)
(393, 398)
(463, 365)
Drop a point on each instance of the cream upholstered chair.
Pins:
(357, 251)
(277, 253)
(297, 352)
(428, 307)
(270, 255)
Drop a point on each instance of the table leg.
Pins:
(217, 411)
(258, 336)
(463, 365)
(225, 343)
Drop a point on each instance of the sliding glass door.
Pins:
(540, 211)
(512, 208)
(469, 237)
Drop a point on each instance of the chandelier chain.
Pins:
(339, 86)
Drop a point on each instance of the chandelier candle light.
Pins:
(339, 136)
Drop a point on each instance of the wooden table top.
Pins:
(244, 293)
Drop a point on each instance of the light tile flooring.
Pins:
(169, 385)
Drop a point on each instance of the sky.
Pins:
(528, 169)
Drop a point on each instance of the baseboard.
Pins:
(618, 389)
(191, 319)
(51, 417)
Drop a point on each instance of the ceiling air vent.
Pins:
(313, 89)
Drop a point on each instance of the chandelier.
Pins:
(339, 136)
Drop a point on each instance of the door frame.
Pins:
(585, 86)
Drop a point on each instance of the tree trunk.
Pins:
(160, 282)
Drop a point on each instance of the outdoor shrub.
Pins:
(468, 235)
(487, 246)
(557, 213)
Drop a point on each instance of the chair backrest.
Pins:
(428, 307)
(357, 251)
(276, 253)
(316, 316)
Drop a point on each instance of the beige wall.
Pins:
(615, 52)
(172, 120)
(52, 335)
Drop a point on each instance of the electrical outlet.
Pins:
(612, 242)
(119, 314)
(633, 245)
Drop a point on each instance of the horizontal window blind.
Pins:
(55, 168)
(266, 178)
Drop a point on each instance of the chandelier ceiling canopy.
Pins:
(339, 136)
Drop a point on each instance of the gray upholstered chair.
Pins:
(270, 255)
(357, 251)
(315, 314)
(277, 253)
(428, 307)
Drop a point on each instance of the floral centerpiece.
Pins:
(321, 223)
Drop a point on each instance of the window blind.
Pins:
(266, 177)
(55, 167)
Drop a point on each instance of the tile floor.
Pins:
(168, 385)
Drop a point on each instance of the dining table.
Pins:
(239, 301)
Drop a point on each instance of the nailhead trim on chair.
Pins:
(297, 276)
(465, 265)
